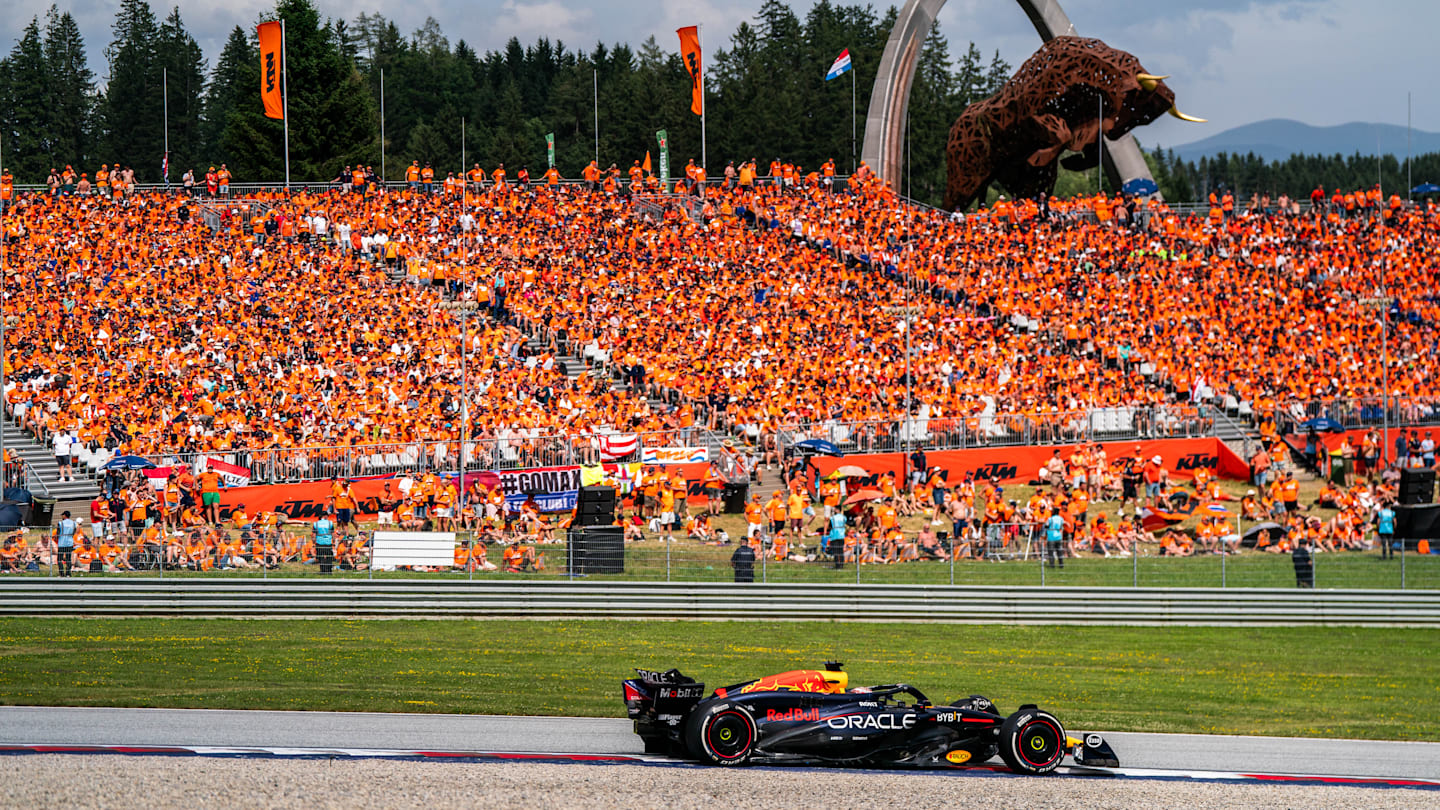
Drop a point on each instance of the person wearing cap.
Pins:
(323, 532)
(754, 517)
(1130, 476)
(1385, 530)
(64, 535)
(1154, 476)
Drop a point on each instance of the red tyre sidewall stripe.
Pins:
(1059, 743)
(748, 731)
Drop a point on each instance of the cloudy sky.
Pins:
(1231, 61)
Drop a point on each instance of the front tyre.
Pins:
(724, 734)
(1032, 742)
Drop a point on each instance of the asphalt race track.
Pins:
(222, 733)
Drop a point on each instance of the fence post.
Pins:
(952, 558)
(1135, 563)
(1402, 563)
(668, 540)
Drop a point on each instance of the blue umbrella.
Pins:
(128, 463)
(1426, 188)
(819, 446)
(1140, 187)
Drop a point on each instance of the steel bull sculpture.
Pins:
(1052, 105)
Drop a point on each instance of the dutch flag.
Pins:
(841, 66)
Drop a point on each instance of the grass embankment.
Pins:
(691, 561)
(1366, 683)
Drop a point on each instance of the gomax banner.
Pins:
(272, 51)
(1020, 465)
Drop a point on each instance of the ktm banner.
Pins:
(1018, 465)
(690, 55)
(272, 52)
(304, 501)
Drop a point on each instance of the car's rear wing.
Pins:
(661, 696)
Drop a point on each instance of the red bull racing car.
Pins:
(811, 716)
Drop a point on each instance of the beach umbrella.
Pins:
(863, 496)
(819, 447)
(128, 463)
(1140, 187)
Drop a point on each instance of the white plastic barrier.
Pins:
(428, 549)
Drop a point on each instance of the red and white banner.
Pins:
(614, 447)
(232, 474)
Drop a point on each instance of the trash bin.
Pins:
(735, 495)
(1337, 468)
(43, 512)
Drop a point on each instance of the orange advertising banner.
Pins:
(1019, 465)
(304, 501)
(272, 54)
(690, 55)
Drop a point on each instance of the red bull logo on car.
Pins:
(793, 714)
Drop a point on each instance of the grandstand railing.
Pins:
(522, 450)
(1354, 413)
(1002, 430)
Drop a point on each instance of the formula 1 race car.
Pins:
(809, 716)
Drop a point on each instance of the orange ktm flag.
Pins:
(271, 56)
(690, 55)
(645, 167)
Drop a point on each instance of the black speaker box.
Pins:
(596, 550)
(1417, 522)
(1417, 486)
(596, 499)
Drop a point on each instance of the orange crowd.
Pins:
(136, 324)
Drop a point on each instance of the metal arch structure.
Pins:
(884, 147)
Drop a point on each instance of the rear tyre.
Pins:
(723, 734)
(1032, 742)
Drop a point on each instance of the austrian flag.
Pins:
(841, 66)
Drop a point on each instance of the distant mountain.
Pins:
(1279, 138)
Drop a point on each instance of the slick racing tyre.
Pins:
(723, 734)
(1032, 742)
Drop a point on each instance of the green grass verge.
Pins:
(1365, 683)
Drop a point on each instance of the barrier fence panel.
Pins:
(1012, 555)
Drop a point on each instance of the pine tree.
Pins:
(225, 131)
(71, 88)
(133, 109)
(184, 66)
(27, 119)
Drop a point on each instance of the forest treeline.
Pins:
(766, 97)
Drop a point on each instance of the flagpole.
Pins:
(700, 44)
(852, 117)
(464, 333)
(3, 232)
(285, 98)
(165, 93)
(595, 84)
(382, 131)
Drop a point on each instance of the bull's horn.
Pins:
(1183, 117)
(1148, 81)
